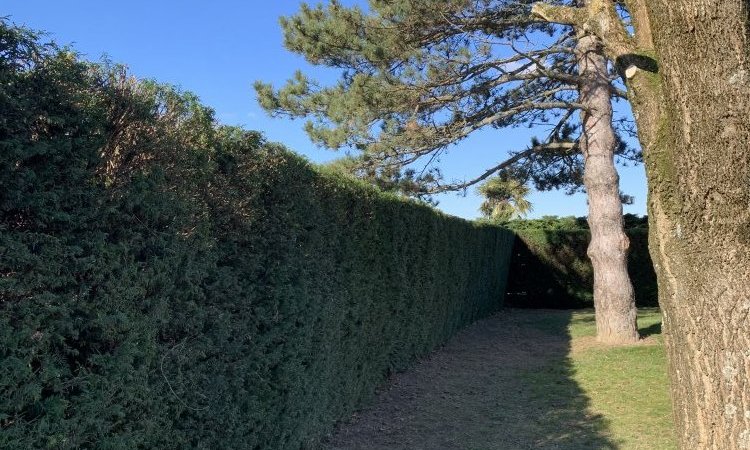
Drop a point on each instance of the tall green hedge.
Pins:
(166, 283)
(550, 268)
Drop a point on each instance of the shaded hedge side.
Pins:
(167, 283)
(353, 285)
(550, 269)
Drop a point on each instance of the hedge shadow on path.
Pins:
(504, 383)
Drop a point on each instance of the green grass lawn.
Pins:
(525, 379)
(626, 387)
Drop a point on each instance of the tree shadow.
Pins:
(504, 383)
(650, 330)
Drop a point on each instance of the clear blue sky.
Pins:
(217, 49)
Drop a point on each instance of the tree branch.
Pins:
(563, 15)
(551, 146)
(597, 17)
(541, 68)
(641, 23)
(619, 93)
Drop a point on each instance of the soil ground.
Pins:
(523, 379)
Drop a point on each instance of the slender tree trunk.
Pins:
(613, 293)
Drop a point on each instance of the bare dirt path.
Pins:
(482, 391)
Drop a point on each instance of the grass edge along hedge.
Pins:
(166, 283)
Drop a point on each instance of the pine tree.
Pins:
(420, 75)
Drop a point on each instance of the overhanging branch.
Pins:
(568, 147)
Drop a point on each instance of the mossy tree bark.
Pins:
(699, 175)
(614, 301)
(688, 72)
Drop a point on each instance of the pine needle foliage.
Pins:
(418, 76)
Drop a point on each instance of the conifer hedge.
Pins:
(550, 267)
(167, 283)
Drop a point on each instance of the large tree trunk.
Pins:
(698, 167)
(688, 72)
(614, 301)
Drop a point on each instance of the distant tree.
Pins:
(420, 75)
(504, 199)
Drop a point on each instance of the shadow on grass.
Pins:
(504, 383)
(650, 330)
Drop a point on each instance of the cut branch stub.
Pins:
(628, 65)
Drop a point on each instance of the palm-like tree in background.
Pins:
(505, 199)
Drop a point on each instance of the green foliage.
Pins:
(567, 223)
(571, 223)
(391, 179)
(550, 267)
(167, 283)
(505, 199)
(417, 76)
